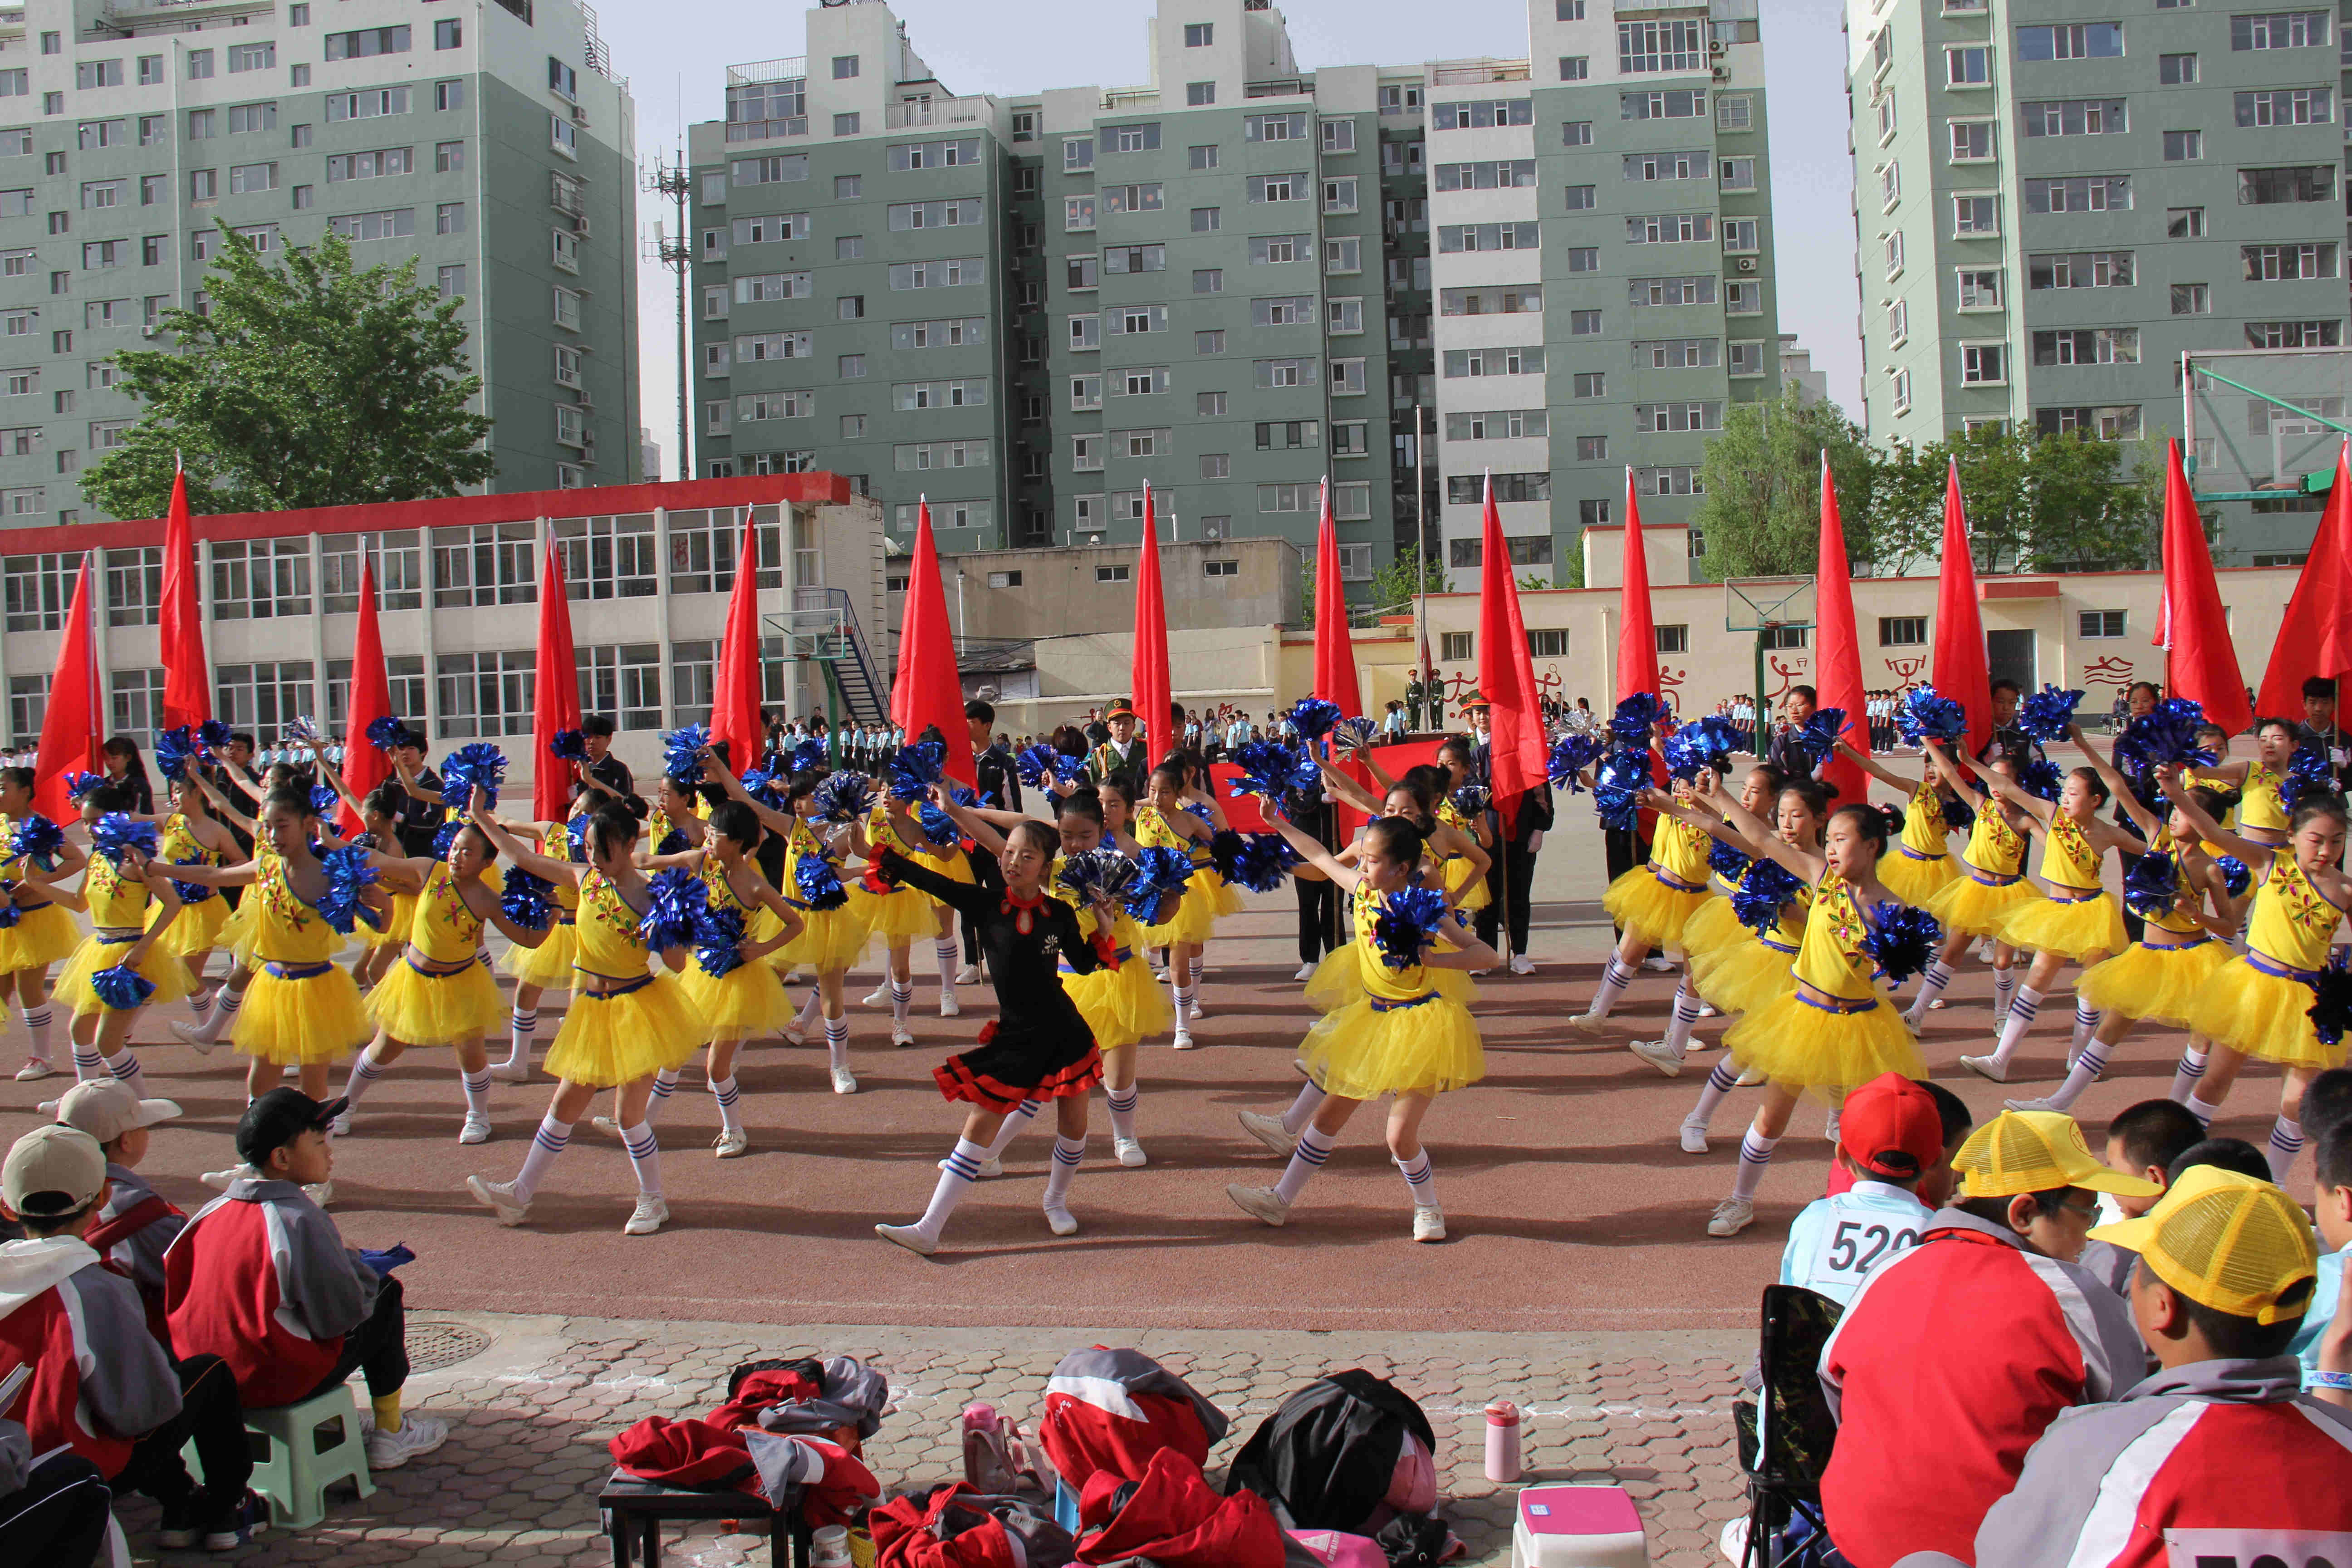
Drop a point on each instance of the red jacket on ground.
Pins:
(1951, 1360)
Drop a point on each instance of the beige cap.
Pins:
(107, 1108)
(53, 1162)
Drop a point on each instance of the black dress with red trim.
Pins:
(1039, 1046)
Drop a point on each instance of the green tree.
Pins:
(1395, 584)
(308, 383)
(2034, 503)
(1761, 512)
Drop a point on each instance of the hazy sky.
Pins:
(676, 52)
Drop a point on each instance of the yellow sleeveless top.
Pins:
(2176, 917)
(556, 844)
(713, 873)
(1153, 832)
(2068, 859)
(1923, 824)
(1381, 984)
(177, 844)
(610, 947)
(1994, 847)
(116, 902)
(290, 932)
(1679, 850)
(2291, 923)
(1830, 957)
(800, 841)
(444, 930)
(2258, 804)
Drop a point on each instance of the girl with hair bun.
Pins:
(1919, 863)
(44, 931)
(131, 908)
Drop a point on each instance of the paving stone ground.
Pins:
(529, 1415)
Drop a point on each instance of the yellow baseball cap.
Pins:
(2033, 1151)
(2227, 1241)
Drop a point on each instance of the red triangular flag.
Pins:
(1637, 636)
(1961, 670)
(2200, 661)
(1335, 648)
(1837, 650)
(2313, 639)
(187, 677)
(556, 680)
(736, 691)
(928, 692)
(70, 722)
(1149, 674)
(1507, 676)
(364, 767)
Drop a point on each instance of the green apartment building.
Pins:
(1228, 283)
(2054, 199)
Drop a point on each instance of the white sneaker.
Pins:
(1428, 1223)
(341, 1126)
(1706, 1010)
(1749, 1078)
(1658, 963)
(1268, 1130)
(1693, 1137)
(1198, 1012)
(650, 1215)
(1305, 971)
(221, 1181)
(1733, 1542)
(910, 1236)
(879, 996)
(418, 1435)
(967, 975)
(949, 1006)
(1129, 1153)
(843, 1081)
(475, 1131)
(2032, 1105)
(1060, 1221)
(1986, 1066)
(902, 1037)
(605, 1124)
(511, 1071)
(1830, 1128)
(730, 1142)
(794, 1035)
(1260, 1202)
(1522, 964)
(1183, 1041)
(34, 1068)
(194, 1034)
(1659, 1055)
(290, 1071)
(993, 1166)
(499, 1198)
(1586, 1024)
(1732, 1215)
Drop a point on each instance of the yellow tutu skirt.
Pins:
(1917, 881)
(197, 927)
(954, 865)
(1744, 976)
(829, 939)
(419, 1009)
(1715, 925)
(607, 1041)
(1367, 1049)
(1650, 911)
(1195, 919)
(747, 1003)
(73, 993)
(38, 939)
(2076, 930)
(396, 925)
(1799, 1046)
(1224, 898)
(301, 1013)
(237, 932)
(548, 965)
(2265, 1015)
(1468, 889)
(2155, 985)
(904, 915)
(1338, 981)
(1973, 908)
(1122, 1005)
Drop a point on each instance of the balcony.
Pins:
(1120, 99)
(1281, 87)
(915, 113)
(790, 68)
(1464, 73)
(766, 129)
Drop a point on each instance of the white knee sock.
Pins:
(2086, 1021)
(2202, 1111)
(645, 1157)
(550, 1140)
(1302, 1109)
(1614, 978)
(1931, 985)
(1420, 1180)
(36, 1030)
(1122, 1111)
(1754, 1154)
(1686, 1018)
(1314, 1148)
(946, 952)
(2188, 1075)
(2023, 1011)
(1016, 1120)
(1068, 1153)
(724, 1091)
(365, 1070)
(2088, 1065)
(2004, 992)
(1720, 1082)
(664, 1085)
(88, 1063)
(2286, 1142)
(521, 1027)
(477, 1092)
(226, 1001)
(125, 1066)
(902, 993)
(811, 1010)
(837, 1041)
(200, 1002)
(956, 1174)
(1184, 1007)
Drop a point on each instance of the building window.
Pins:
(2184, 223)
(2100, 623)
(1200, 92)
(1982, 365)
(1902, 631)
(1454, 648)
(1979, 289)
(1575, 68)
(2183, 146)
(261, 579)
(2070, 41)
(2176, 71)
(1972, 140)
(843, 66)
(1200, 35)
(2192, 300)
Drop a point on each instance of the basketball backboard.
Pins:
(1757, 604)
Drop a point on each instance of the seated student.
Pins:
(261, 1279)
(99, 1383)
(1982, 1334)
(54, 1508)
(1890, 1135)
(135, 1224)
(2331, 1181)
(1936, 1186)
(2142, 1141)
(2216, 1457)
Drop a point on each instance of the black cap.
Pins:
(279, 1117)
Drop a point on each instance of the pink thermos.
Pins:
(1502, 1441)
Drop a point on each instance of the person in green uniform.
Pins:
(1123, 753)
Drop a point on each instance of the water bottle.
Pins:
(829, 1547)
(1502, 1441)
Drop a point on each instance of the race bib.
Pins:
(1853, 1244)
(2258, 1549)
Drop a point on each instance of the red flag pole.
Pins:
(2312, 636)
(556, 682)
(187, 676)
(1637, 636)
(929, 693)
(1506, 676)
(1150, 671)
(1838, 649)
(2201, 662)
(735, 698)
(69, 720)
(1335, 650)
(364, 767)
(1961, 670)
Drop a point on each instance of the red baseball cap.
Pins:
(1891, 1127)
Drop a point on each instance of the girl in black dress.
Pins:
(1039, 1048)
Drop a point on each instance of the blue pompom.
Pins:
(2331, 1000)
(818, 883)
(1758, 901)
(674, 842)
(1816, 736)
(194, 892)
(1637, 719)
(212, 735)
(123, 988)
(1271, 769)
(527, 901)
(1314, 717)
(576, 840)
(938, 825)
(1617, 786)
(682, 754)
(765, 787)
(675, 901)
(2152, 885)
(79, 784)
(719, 940)
(1162, 871)
(1359, 731)
(1922, 713)
(37, 838)
(2049, 714)
(844, 797)
(2307, 777)
(1471, 800)
(2040, 777)
(1258, 861)
(2165, 735)
(804, 756)
(568, 746)
(1705, 742)
(1405, 924)
(347, 872)
(323, 799)
(1727, 861)
(1902, 939)
(383, 734)
(1090, 873)
(445, 835)
(2236, 874)
(116, 832)
(174, 749)
(1570, 756)
(912, 773)
(476, 765)
(9, 913)
(1958, 814)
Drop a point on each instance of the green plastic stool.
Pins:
(310, 1447)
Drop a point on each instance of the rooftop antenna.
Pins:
(672, 179)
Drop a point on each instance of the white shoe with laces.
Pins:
(910, 1236)
(499, 1198)
(650, 1215)
(36, 1068)
(902, 1037)
(1199, 1012)
(418, 1435)
(190, 1034)
(1129, 1153)
(731, 1143)
(843, 1081)
(879, 996)
(605, 1124)
(1268, 1130)
(476, 1130)
(1693, 1137)
(1259, 1202)
(1428, 1223)
(1985, 1068)
(2030, 1105)
(341, 1126)
(1749, 1078)
(1183, 1041)
(1706, 1010)
(1305, 971)
(1659, 1055)
(1657, 963)
(1522, 964)
(949, 1006)
(1060, 1221)
(518, 1071)
(967, 975)
(1732, 1215)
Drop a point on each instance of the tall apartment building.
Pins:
(486, 138)
(2055, 198)
(1239, 278)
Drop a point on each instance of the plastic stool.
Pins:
(1578, 1527)
(301, 1462)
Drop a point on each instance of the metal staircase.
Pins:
(822, 626)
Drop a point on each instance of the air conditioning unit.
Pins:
(149, 332)
(580, 224)
(1718, 47)
(579, 115)
(1214, 531)
(1747, 264)
(1722, 73)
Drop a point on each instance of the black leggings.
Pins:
(988, 874)
(379, 1347)
(1318, 902)
(211, 1418)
